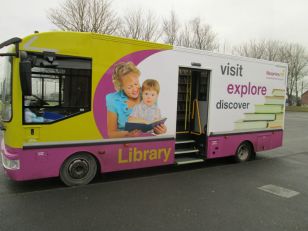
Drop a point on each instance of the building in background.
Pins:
(305, 98)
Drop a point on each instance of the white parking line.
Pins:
(279, 191)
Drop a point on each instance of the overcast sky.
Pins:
(234, 21)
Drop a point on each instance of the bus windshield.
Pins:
(6, 76)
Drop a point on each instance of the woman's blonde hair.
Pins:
(120, 70)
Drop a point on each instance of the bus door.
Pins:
(192, 108)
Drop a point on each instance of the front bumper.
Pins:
(11, 162)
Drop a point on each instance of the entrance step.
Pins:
(188, 160)
(185, 151)
(185, 141)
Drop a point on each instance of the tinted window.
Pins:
(58, 92)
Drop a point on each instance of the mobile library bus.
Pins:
(65, 107)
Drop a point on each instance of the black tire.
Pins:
(78, 169)
(244, 152)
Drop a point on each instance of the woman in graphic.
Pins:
(120, 103)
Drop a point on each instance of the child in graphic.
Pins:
(147, 110)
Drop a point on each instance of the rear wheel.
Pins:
(244, 152)
(79, 169)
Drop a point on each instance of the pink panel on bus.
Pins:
(44, 163)
(226, 145)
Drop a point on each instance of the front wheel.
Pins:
(79, 169)
(244, 152)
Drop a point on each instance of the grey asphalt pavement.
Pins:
(218, 195)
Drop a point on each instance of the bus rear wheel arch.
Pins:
(244, 152)
(78, 169)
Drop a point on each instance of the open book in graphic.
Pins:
(275, 124)
(143, 125)
(279, 92)
(269, 115)
(259, 117)
(274, 100)
(268, 108)
(239, 125)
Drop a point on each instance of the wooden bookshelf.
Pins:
(184, 99)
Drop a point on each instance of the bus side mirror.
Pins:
(25, 77)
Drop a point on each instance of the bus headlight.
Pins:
(10, 164)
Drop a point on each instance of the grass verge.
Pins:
(297, 108)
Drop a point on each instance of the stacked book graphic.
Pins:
(267, 115)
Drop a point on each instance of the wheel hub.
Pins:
(243, 153)
(78, 169)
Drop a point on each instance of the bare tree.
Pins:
(204, 37)
(225, 47)
(138, 25)
(303, 85)
(186, 37)
(251, 49)
(151, 30)
(273, 50)
(294, 55)
(198, 35)
(171, 27)
(264, 49)
(132, 25)
(85, 15)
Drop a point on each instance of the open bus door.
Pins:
(192, 114)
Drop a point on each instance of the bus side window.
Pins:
(58, 92)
